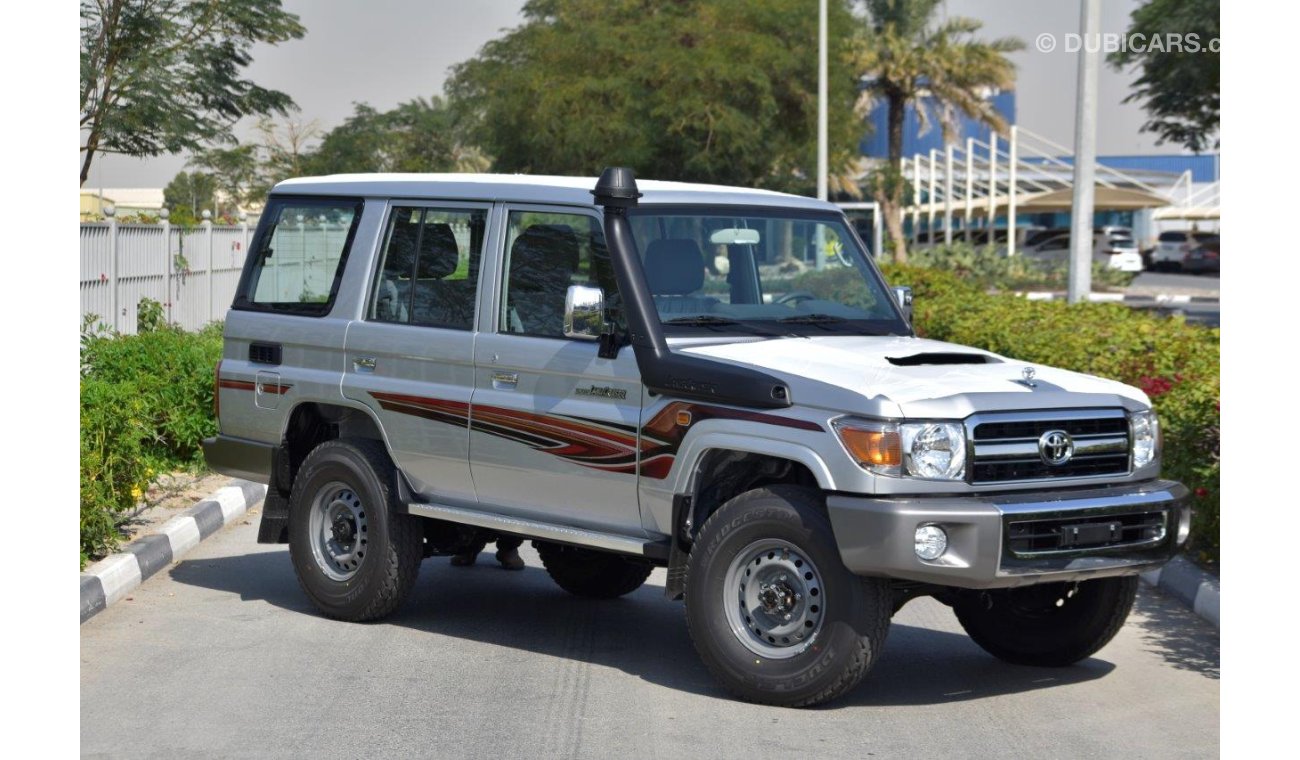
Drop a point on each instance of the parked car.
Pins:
(1172, 247)
(549, 358)
(1203, 258)
(1109, 249)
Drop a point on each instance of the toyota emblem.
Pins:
(1055, 447)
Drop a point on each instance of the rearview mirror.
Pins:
(734, 236)
(584, 313)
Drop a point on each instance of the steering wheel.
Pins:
(796, 297)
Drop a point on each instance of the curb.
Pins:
(1162, 299)
(116, 575)
(1189, 584)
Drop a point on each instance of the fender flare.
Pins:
(683, 474)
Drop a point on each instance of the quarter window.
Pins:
(430, 268)
(300, 252)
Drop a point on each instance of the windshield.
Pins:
(765, 272)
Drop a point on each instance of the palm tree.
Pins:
(909, 58)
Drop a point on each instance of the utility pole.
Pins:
(1085, 154)
(822, 160)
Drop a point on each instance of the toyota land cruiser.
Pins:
(634, 375)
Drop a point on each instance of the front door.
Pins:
(411, 360)
(554, 430)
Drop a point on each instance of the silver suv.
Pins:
(708, 379)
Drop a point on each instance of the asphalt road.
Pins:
(221, 656)
(1176, 282)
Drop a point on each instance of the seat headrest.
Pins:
(674, 267)
(543, 258)
(439, 254)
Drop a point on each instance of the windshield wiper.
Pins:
(812, 319)
(715, 322)
(701, 320)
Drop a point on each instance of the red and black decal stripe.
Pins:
(244, 385)
(606, 446)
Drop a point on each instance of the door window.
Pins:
(429, 273)
(546, 252)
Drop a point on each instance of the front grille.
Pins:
(1005, 447)
(1027, 538)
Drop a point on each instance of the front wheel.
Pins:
(355, 555)
(1050, 624)
(773, 612)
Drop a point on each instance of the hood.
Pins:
(926, 378)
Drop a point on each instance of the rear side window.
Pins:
(429, 274)
(299, 254)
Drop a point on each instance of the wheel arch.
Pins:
(310, 423)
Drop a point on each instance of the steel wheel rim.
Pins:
(338, 530)
(774, 599)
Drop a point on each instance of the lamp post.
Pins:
(1085, 156)
(822, 160)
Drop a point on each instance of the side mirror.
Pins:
(903, 294)
(584, 313)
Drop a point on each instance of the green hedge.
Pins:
(146, 402)
(1176, 364)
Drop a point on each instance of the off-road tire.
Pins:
(590, 573)
(1025, 626)
(855, 620)
(388, 570)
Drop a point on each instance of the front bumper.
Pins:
(876, 536)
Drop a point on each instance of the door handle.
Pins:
(364, 364)
(505, 381)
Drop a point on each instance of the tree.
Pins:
(285, 150)
(697, 90)
(416, 136)
(162, 76)
(188, 194)
(234, 172)
(1179, 87)
(909, 59)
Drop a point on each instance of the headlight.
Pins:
(934, 450)
(1145, 429)
(929, 450)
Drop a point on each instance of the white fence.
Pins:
(192, 272)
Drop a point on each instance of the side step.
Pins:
(564, 534)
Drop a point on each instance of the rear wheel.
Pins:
(590, 573)
(355, 555)
(1050, 624)
(773, 612)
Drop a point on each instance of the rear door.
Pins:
(554, 431)
(411, 358)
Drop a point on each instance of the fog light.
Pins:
(931, 542)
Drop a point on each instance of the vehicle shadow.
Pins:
(642, 634)
(1181, 639)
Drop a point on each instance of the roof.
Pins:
(528, 188)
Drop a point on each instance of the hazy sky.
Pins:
(383, 52)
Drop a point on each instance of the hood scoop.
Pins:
(935, 357)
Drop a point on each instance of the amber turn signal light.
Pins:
(876, 449)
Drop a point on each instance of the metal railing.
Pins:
(191, 271)
(979, 181)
